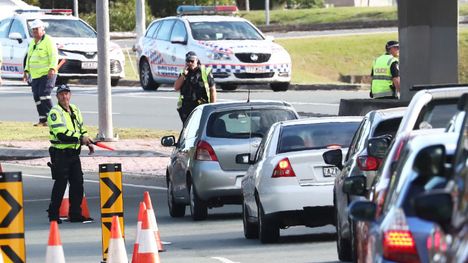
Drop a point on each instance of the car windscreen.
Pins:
(245, 123)
(66, 28)
(316, 136)
(224, 30)
(437, 114)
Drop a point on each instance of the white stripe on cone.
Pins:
(117, 252)
(55, 254)
(147, 248)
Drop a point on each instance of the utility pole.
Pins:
(105, 132)
(247, 5)
(267, 12)
(75, 8)
(140, 17)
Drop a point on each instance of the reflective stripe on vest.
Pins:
(42, 56)
(382, 76)
(205, 71)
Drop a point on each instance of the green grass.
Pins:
(24, 131)
(131, 69)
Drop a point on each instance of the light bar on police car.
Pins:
(46, 11)
(206, 10)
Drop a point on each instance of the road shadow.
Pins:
(318, 237)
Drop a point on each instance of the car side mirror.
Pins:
(362, 211)
(270, 38)
(435, 206)
(430, 161)
(334, 157)
(355, 185)
(168, 141)
(244, 158)
(178, 40)
(378, 146)
(16, 36)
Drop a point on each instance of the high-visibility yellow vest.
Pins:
(41, 57)
(205, 71)
(382, 76)
(60, 121)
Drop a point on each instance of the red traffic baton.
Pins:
(102, 145)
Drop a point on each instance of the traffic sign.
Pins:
(12, 217)
(110, 185)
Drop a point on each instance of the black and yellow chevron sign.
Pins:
(12, 218)
(110, 185)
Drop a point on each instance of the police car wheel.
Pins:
(228, 87)
(146, 78)
(279, 86)
(114, 82)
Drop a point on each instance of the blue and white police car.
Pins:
(76, 42)
(237, 51)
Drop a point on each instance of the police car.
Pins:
(76, 42)
(237, 51)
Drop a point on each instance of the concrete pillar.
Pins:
(428, 35)
(140, 16)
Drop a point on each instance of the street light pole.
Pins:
(140, 17)
(267, 12)
(75, 8)
(105, 132)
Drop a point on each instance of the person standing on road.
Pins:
(386, 73)
(196, 85)
(67, 134)
(41, 66)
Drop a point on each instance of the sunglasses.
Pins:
(190, 60)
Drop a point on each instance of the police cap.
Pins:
(190, 56)
(63, 87)
(391, 43)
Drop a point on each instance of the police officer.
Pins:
(41, 66)
(67, 134)
(386, 73)
(196, 85)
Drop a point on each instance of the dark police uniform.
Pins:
(66, 131)
(195, 90)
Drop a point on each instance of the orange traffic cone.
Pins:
(54, 252)
(147, 248)
(65, 206)
(141, 212)
(116, 251)
(154, 224)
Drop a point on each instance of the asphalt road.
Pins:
(218, 239)
(134, 108)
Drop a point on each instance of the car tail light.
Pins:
(205, 152)
(283, 169)
(368, 163)
(398, 242)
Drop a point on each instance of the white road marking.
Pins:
(96, 182)
(224, 260)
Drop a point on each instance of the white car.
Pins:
(235, 49)
(288, 182)
(76, 42)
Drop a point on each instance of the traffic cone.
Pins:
(54, 252)
(116, 251)
(154, 224)
(141, 212)
(147, 247)
(65, 206)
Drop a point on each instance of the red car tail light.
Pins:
(398, 242)
(205, 152)
(283, 169)
(368, 163)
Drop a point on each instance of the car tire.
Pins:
(228, 87)
(175, 209)
(198, 209)
(146, 78)
(343, 245)
(60, 81)
(250, 229)
(279, 86)
(268, 230)
(115, 82)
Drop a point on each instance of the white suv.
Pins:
(76, 42)
(236, 50)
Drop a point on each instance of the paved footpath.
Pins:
(138, 156)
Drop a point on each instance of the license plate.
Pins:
(89, 65)
(330, 171)
(255, 69)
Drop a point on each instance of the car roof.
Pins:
(40, 15)
(237, 104)
(321, 120)
(205, 18)
(420, 141)
(391, 112)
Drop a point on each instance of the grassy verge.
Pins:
(131, 69)
(24, 131)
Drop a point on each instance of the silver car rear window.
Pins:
(316, 136)
(245, 123)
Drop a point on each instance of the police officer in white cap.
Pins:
(41, 66)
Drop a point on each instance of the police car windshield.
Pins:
(66, 28)
(224, 30)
